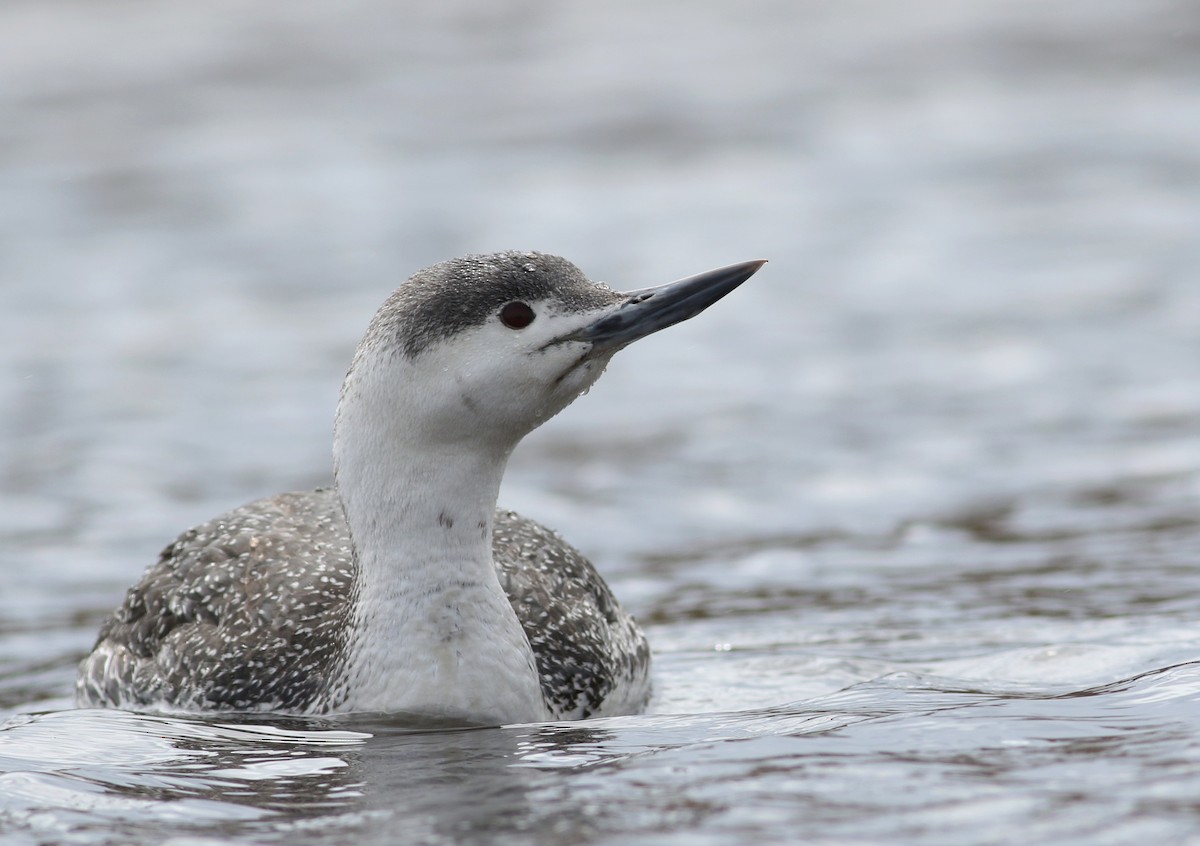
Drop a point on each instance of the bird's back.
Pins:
(252, 611)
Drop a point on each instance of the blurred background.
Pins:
(912, 518)
(981, 315)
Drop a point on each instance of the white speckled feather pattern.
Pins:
(402, 589)
(217, 623)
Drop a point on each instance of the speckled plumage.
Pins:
(250, 612)
(402, 589)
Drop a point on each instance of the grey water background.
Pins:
(912, 519)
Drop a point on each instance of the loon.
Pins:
(403, 589)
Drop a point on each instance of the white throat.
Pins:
(432, 632)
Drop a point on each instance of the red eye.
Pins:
(516, 315)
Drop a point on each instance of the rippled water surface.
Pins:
(912, 519)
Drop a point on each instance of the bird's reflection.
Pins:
(371, 780)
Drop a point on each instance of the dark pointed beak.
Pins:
(651, 309)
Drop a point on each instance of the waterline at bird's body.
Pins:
(403, 589)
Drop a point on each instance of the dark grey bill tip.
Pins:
(651, 309)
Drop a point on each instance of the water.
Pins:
(912, 519)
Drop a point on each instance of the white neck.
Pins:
(432, 631)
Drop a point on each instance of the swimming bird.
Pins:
(402, 588)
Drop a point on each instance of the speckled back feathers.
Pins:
(250, 611)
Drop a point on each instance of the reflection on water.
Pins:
(913, 518)
(289, 780)
(902, 753)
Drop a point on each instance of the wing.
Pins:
(251, 611)
(248, 611)
(592, 657)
